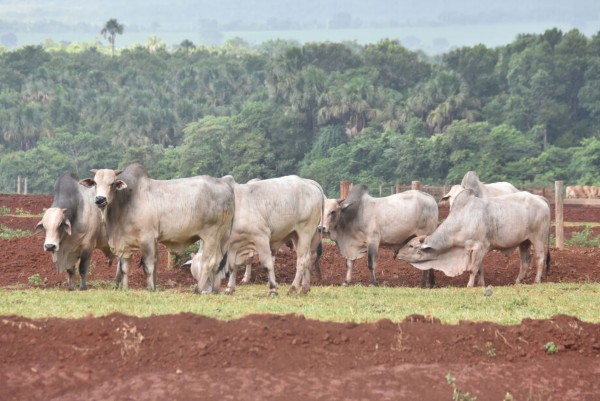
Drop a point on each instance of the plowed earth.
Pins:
(185, 356)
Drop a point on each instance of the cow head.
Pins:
(416, 250)
(106, 183)
(451, 195)
(55, 224)
(331, 214)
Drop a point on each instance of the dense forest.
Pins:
(527, 112)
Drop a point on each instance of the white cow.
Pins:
(268, 214)
(475, 226)
(360, 223)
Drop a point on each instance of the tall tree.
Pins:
(110, 31)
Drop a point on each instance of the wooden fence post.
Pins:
(415, 185)
(397, 189)
(381, 190)
(18, 184)
(25, 187)
(344, 188)
(558, 214)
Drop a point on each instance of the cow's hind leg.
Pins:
(475, 265)
(302, 272)
(525, 256)
(540, 260)
(248, 271)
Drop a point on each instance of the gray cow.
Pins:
(471, 181)
(140, 212)
(73, 228)
(360, 224)
(268, 214)
(476, 226)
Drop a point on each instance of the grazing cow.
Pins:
(475, 226)
(268, 214)
(73, 228)
(140, 212)
(360, 223)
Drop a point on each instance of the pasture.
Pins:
(534, 342)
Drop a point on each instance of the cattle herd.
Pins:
(125, 211)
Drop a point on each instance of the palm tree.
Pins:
(110, 31)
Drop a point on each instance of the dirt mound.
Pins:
(289, 357)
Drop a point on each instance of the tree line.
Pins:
(527, 112)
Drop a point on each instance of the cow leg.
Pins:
(372, 262)
(540, 260)
(232, 277)
(302, 265)
(427, 279)
(150, 256)
(248, 271)
(525, 256)
(119, 273)
(71, 273)
(266, 259)
(124, 264)
(84, 263)
(316, 252)
(481, 280)
(475, 263)
(349, 265)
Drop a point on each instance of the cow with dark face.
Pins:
(73, 228)
(140, 212)
(360, 224)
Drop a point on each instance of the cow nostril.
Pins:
(100, 200)
(50, 247)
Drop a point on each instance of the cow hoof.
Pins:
(345, 284)
(71, 288)
(305, 290)
(292, 290)
(83, 289)
(273, 293)
(229, 291)
(197, 290)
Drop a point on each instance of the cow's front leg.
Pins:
(150, 257)
(475, 263)
(372, 262)
(427, 279)
(232, 277)
(349, 265)
(71, 273)
(84, 264)
(248, 271)
(266, 259)
(123, 272)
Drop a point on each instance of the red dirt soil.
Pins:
(186, 356)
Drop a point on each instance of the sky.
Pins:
(430, 25)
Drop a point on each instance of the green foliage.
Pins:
(35, 279)
(583, 238)
(376, 113)
(8, 233)
(4, 210)
(551, 348)
(458, 395)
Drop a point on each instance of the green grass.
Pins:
(508, 305)
(8, 233)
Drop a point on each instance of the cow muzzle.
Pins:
(101, 201)
(323, 229)
(50, 247)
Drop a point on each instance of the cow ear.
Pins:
(345, 205)
(120, 184)
(94, 171)
(38, 228)
(88, 183)
(117, 172)
(67, 226)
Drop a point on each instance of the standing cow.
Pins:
(268, 214)
(471, 181)
(73, 228)
(140, 212)
(360, 223)
(475, 226)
